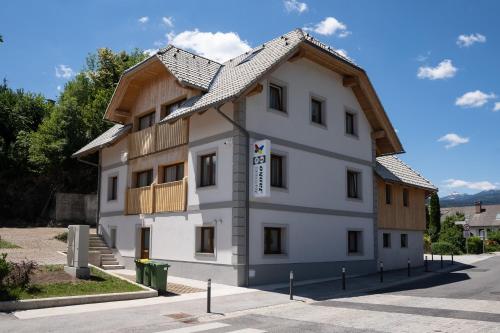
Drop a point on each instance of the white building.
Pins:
(175, 169)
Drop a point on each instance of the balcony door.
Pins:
(145, 242)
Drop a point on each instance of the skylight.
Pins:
(250, 56)
(498, 216)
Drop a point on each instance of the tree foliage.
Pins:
(452, 233)
(38, 136)
(434, 217)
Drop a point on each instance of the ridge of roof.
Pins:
(392, 168)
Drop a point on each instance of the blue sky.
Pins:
(433, 83)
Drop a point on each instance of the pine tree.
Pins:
(434, 217)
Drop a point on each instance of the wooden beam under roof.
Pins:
(257, 89)
(298, 55)
(378, 134)
(350, 81)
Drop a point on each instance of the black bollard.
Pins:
(441, 261)
(409, 267)
(381, 271)
(291, 285)
(426, 264)
(452, 259)
(343, 278)
(209, 294)
(432, 257)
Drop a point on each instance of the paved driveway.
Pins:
(36, 244)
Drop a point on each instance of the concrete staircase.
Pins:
(108, 260)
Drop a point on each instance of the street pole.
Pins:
(209, 294)
(343, 278)
(291, 285)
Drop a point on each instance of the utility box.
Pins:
(78, 251)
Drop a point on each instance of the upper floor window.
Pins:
(146, 121)
(167, 109)
(112, 188)
(350, 124)
(317, 111)
(277, 97)
(277, 170)
(144, 178)
(208, 165)
(173, 173)
(406, 197)
(353, 184)
(388, 194)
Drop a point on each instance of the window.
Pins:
(173, 173)
(277, 97)
(354, 242)
(406, 197)
(317, 116)
(208, 169)
(404, 240)
(146, 121)
(277, 171)
(144, 178)
(350, 124)
(388, 194)
(207, 237)
(167, 109)
(386, 240)
(353, 184)
(250, 56)
(273, 240)
(112, 188)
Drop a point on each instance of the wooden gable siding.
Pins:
(397, 216)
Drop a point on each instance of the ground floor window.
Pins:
(273, 240)
(354, 245)
(386, 240)
(205, 240)
(404, 240)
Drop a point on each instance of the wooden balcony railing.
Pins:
(157, 138)
(166, 197)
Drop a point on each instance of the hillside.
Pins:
(458, 200)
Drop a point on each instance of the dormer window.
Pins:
(168, 109)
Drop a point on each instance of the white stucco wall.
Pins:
(173, 237)
(112, 165)
(396, 257)
(304, 78)
(210, 123)
(309, 237)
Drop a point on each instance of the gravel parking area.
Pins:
(36, 244)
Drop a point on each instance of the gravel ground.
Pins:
(36, 244)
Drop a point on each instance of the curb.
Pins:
(31, 304)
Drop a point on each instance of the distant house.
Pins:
(480, 217)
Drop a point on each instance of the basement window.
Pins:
(206, 240)
(354, 242)
(404, 240)
(274, 240)
(386, 239)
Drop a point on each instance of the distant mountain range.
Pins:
(461, 199)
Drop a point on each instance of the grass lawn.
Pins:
(7, 245)
(52, 281)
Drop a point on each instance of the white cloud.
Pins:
(330, 26)
(59, 88)
(474, 99)
(423, 57)
(150, 52)
(343, 53)
(143, 20)
(452, 140)
(443, 70)
(469, 40)
(479, 186)
(295, 6)
(168, 21)
(496, 107)
(219, 46)
(64, 71)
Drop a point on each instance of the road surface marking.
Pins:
(198, 328)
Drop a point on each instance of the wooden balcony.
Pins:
(157, 138)
(166, 197)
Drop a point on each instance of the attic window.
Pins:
(250, 56)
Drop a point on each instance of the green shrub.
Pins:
(491, 246)
(5, 268)
(20, 274)
(475, 245)
(63, 237)
(444, 248)
(452, 233)
(494, 236)
(427, 243)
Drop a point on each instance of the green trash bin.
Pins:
(139, 271)
(147, 274)
(159, 272)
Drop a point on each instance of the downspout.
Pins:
(98, 166)
(247, 193)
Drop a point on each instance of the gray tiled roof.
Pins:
(392, 169)
(188, 68)
(488, 216)
(235, 76)
(105, 139)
